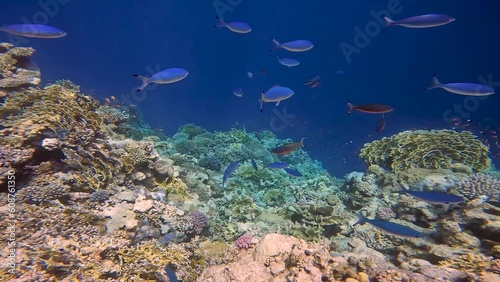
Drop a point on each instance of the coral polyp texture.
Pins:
(432, 149)
(478, 185)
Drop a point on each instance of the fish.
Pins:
(254, 164)
(249, 74)
(423, 21)
(292, 172)
(34, 30)
(381, 124)
(434, 197)
(172, 277)
(390, 227)
(288, 148)
(313, 82)
(469, 89)
(238, 92)
(231, 168)
(370, 108)
(238, 27)
(163, 77)
(275, 94)
(277, 165)
(293, 46)
(288, 62)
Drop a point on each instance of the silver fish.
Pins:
(423, 21)
(469, 89)
(163, 77)
(238, 27)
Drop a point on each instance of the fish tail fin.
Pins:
(144, 80)
(435, 83)
(388, 21)
(261, 101)
(276, 44)
(220, 22)
(302, 142)
(351, 108)
(361, 219)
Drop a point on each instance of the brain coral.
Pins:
(430, 149)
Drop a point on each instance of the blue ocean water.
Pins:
(108, 41)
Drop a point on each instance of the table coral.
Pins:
(428, 149)
(16, 68)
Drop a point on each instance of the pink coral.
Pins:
(245, 241)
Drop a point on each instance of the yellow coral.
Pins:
(471, 262)
(430, 149)
(175, 186)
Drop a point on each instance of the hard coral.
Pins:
(199, 221)
(16, 69)
(30, 116)
(245, 241)
(427, 149)
(478, 185)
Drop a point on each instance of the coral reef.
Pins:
(16, 68)
(431, 149)
(478, 185)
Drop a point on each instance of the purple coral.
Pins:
(244, 241)
(199, 221)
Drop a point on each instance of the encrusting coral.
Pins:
(431, 149)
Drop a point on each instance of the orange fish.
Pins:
(288, 148)
(113, 98)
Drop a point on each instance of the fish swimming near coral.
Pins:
(313, 82)
(231, 168)
(292, 172)
(370, 108)
(435, 197)
(293, 46)
(171, 274)
(275, 94)
(277, 165)
(422, 21)
(163, 77)
(238, 27)
(390, 227)
(254, 164)
(33, 30)
(288, 148)
(469, 89)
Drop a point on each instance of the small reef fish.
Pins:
(277, 165)
(370, 108)
(390, 227)
(469, 89)
(238, 92)
(231, 168)
(163, 77)
(172, 277)
(292, 172)
(238, 27)
(381, 124)
(289, 62)
(435, 197)
(33, 30)
(293, 46)
(249, 74)
(275, 94)
(423, 21)
(288, 148)
(313, 82)
(254, 164)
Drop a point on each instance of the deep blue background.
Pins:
(108, 41)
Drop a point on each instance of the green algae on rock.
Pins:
(430, 149)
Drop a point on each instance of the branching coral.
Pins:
(478, 185)
(60, 110)
(427, 149)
